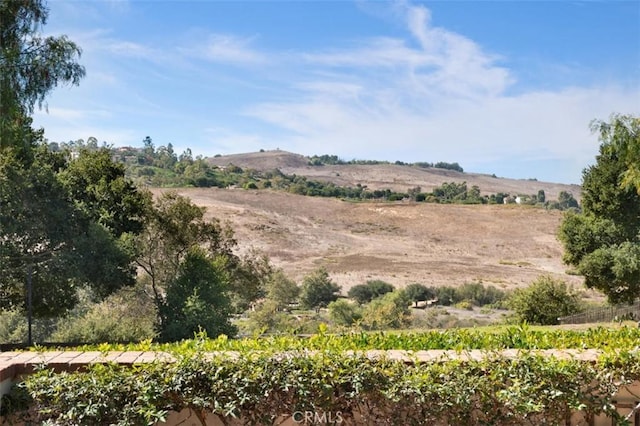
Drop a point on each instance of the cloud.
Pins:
(429, 94)
(131, 49)
(436, 95)
(442, 64)
(223, 48)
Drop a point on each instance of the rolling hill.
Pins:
(400, 242)
(382, 176)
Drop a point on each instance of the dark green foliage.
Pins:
(361, 293)
(100, 189)
(318, 290)
(31, 66)
(196, 300)
(544, 301)
(260, 387)
(449, 192)
(176, 227)
(541, 197)
(282, 290)
(388, 311)
(446, 295)
(448, 166)
(603, 241)
(42, 226)
(565, 202)
(418, 292)
(478, 294)
(364, 293)
(344, 313)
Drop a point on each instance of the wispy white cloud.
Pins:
(131, 49)
(437, 96)
(230, 49)
(221, 48)
(428, 95)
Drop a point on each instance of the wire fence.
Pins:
(611, 313)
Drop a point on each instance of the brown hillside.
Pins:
(394, 177)
(401, 243)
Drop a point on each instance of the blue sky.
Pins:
(504, 87)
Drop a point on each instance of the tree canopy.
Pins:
(603, 242)
(31, 66)
(318, 290)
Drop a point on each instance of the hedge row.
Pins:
(513, 337)
(261, 387)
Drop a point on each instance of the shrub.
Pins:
(544, 301)
(260, 387)
(361, 293)
(478, 294)
(344, 313)
(388, 311)
(465, 304)
(418, 292)
(364, 293)
(126, 316)
(267, 318)
(14, 327)
(318, 290)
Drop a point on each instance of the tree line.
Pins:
(326, 159)
(162, 167)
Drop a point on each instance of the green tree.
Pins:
(603, 242)
(31, 66)
(197, 300)
(99, 187)
(379, 287)
(249, 275)
(361, 293)
(566, 201)
(42, 231)
(176, 226)
(388, 311)
(622, 134)
(281, 289)
(541, 198)
(344, 313)
(318, 290)
(365, 293)
(418, 293)
(544, 301)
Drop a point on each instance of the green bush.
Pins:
(544, 301)
(344, 313)
(14, 327)
(267, 318)
(388, 311)
(465, 304)
(365, 293)
(259, 387)
(418, 292)
(127, 316)
(318, 290)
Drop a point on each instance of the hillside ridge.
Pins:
(388, 176)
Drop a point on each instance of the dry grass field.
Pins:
(399, 242)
